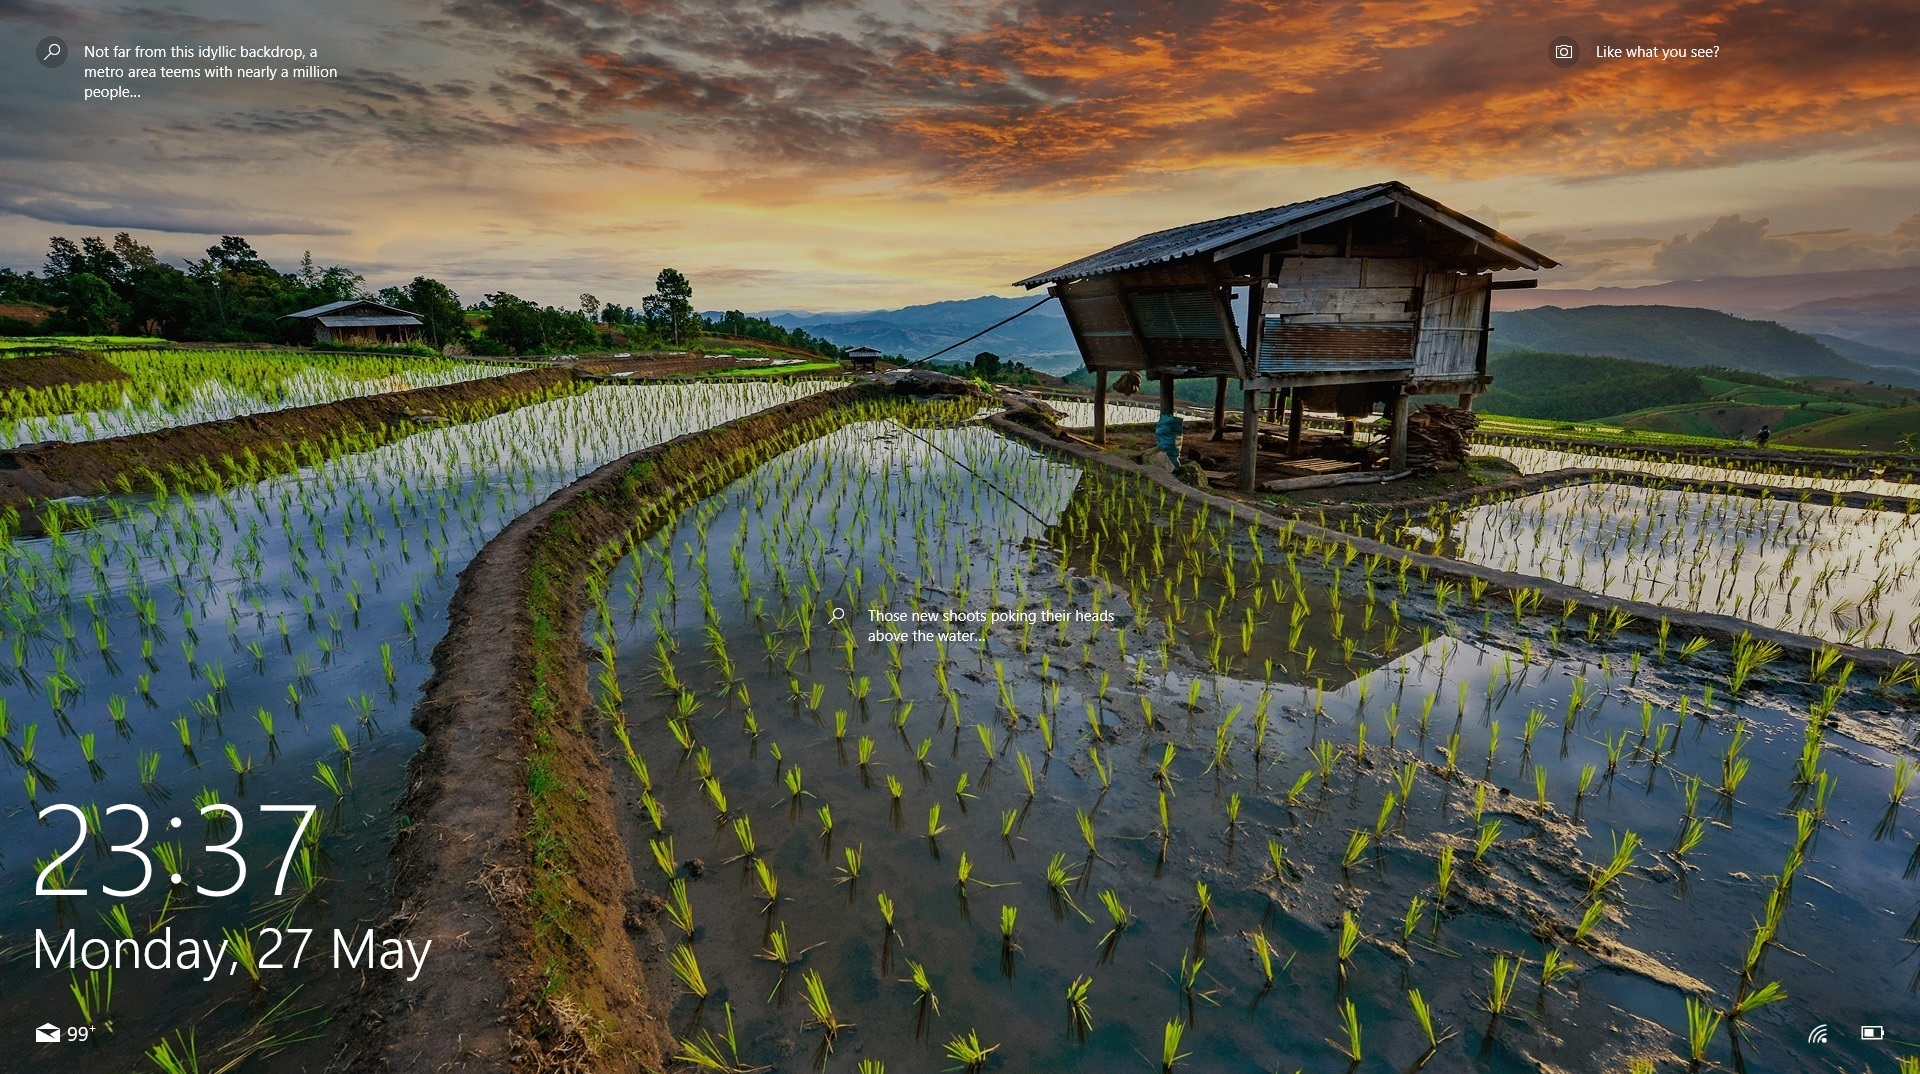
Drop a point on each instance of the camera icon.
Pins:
(1565, 52)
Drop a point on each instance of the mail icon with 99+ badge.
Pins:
(47, 1034)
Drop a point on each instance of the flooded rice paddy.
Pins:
(170, 388)
(256, 646)
(1174, 794)
(1842, 574)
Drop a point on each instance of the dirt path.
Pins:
(510, 685)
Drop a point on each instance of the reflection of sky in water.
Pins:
(213, 400)
(909, 520)
(1838, 573)
(1540, 460)
(1080, 415)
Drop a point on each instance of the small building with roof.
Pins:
(863, 358)
(360, 321)
(1354, 301)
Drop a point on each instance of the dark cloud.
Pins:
(134, 211)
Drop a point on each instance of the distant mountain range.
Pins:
(1040, 339)
(1876, 307)
(1685, 336)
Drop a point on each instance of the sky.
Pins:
(865, 154)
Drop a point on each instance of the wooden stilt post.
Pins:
(1294, 422)
(1466, 400)
(1100, 407)
(1219, 408)
(1249, 438)
(1166, 396)
(1397, 451)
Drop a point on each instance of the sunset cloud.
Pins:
(860, 153)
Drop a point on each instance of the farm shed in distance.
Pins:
(1352, 301)
(359, 321)
(863, 358)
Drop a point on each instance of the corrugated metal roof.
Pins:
(331, 306)
(369, 322)
(1207, 236)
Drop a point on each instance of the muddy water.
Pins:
(1839, 573)
(278, 565)
(1005, 529)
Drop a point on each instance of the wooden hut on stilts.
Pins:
(1353, 301)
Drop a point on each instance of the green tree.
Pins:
(90, 305)
(443, 320)
(514, 323)
(986, 364)
(669, 310)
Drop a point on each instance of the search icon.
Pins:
(52, 52)
(836, 615)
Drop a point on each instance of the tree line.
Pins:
(233, 295)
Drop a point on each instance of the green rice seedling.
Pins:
(324, 775)
(1595, 913)
(94, 994)
(1170, 1052)
(1434, 1033)
(1203, 904)
(850, 873)
(1118, 914)
(1693, 647)
(1009, 915)
(1099, 767)
(1299, 787)
(1445, 876)
(1349, 939)
(181, 1055)
(1625, 848)
(1410, 921)
(1350, 1022)
(663, 855)
(1554, 966)
(1902, 778)
(1086, 832)
(686, 967)
(1506, 974)
(1026, 773)
(769, 884)
(679, 907)
(1690, 836)
(1769, 993)
(1079, 1009)
(1357, 842)
(924, 995)
(934, 827)
(1489, 832)
(1540, 788)
(1703, 1022)
(820, 1008)
(969, 1052)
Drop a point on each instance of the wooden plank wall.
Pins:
(1452, 322)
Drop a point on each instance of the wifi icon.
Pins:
(1818, 1035)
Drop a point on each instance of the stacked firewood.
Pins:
(1439, 437)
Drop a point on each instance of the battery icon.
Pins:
(1873, 1032)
